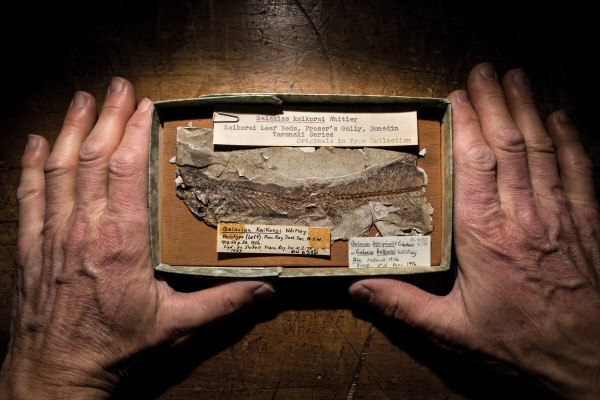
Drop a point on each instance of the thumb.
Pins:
(409, 304)
(188, 311)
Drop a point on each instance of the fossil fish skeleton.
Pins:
(348, 190)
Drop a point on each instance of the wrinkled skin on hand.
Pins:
(87, 298)
(526, 233)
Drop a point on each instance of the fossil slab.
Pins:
(348, 190)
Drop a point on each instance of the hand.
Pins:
(527, 240)
(87, 299)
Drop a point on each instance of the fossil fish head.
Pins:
(208, 202)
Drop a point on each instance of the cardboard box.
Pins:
(183, 244)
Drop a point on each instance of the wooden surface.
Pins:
(311, 342)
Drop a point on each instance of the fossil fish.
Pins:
(348, 190)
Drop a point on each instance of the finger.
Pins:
(61, 166)
(541, 156)
(31, 197)
(475, 191)
(575, 166)
(409, 304)
(577, 177)
(128, 166)
(503, 136)
(92, 177)
(185, 312)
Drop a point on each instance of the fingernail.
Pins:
(32, 141)
(487, 71)
(563, 117)
(520, 78)
(79, 100)
(145, 103)
(116, 85)
(360, 293)
(463, 98)
(263, 292)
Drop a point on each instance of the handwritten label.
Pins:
(389, 251)
(300, 240)
(351, 127)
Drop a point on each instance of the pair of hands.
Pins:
(526, 239)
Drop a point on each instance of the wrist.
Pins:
(570, 369)
(21, 380)
(576, 383)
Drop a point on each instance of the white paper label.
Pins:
(300, 240)
(389, 251)
(352, 127)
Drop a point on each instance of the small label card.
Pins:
(300, 240)
(350, 127)
(389, 251)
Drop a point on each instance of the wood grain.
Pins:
(311, 342)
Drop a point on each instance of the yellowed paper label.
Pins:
(342, 126)
(389, 251)
(300, 240)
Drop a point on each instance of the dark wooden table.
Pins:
(312, 342)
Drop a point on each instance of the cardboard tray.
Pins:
(183, 244)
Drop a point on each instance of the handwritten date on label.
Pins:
(389, 251)
(298, 240)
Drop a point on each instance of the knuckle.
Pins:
(34, 325)
(111, 110)
(493, 95)
(124, 163)
(92, 149)
(79, 230)
(27, 191)
(234, 303)
(393, 310)
(543, 144)
(138, 124)
(57, 165)
(76, 118)
(509, 139)
(530, 231)
(525, 101)
(480, 157)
